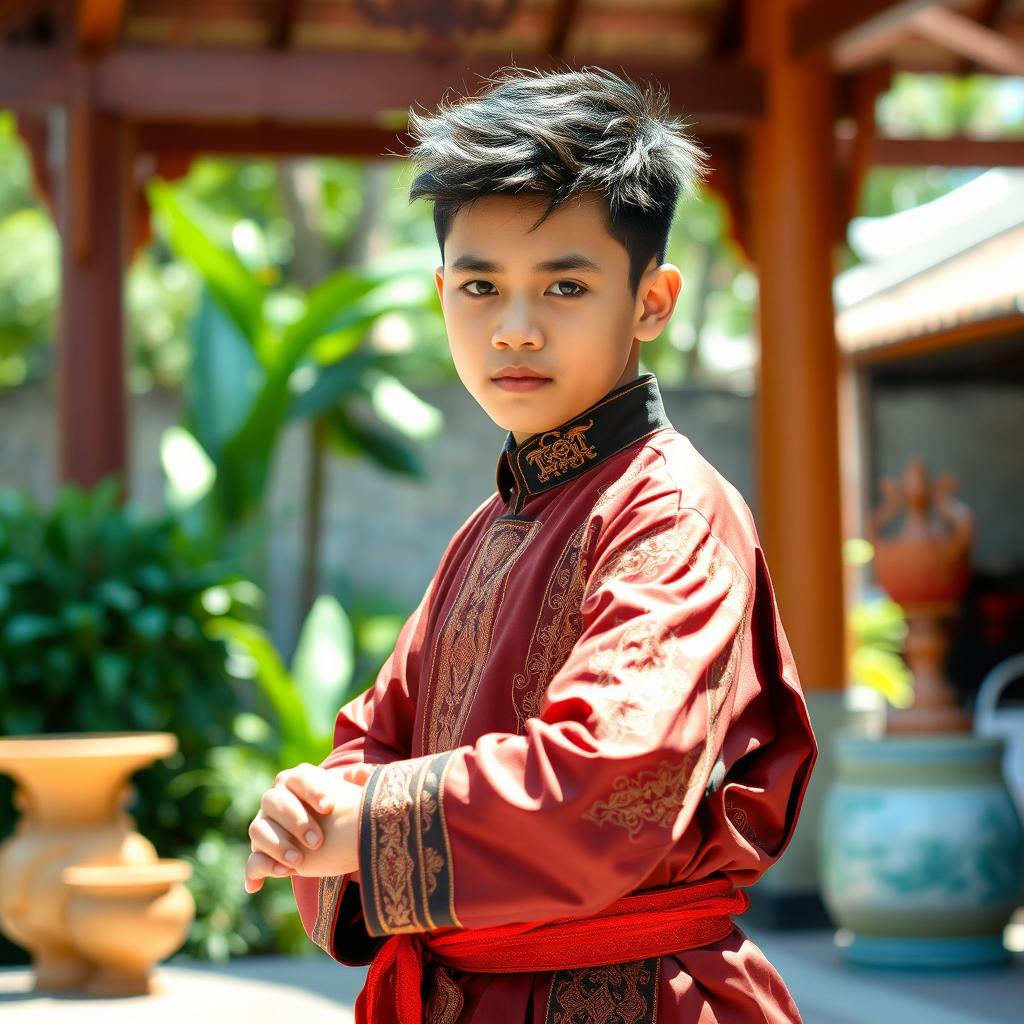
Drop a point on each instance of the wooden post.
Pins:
(791, 185)
(94, 190)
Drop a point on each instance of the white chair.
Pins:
(1006, 722)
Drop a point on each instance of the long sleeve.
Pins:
(576, 810)
(376, 728)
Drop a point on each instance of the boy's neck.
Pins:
(519, 438)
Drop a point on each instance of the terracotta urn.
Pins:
(925, 568)
(125, 918)
(70, 795)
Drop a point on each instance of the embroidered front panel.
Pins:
(327, 893)
(556, 453)
(465, 639)
(615, 994)
(647, 797)
(404, 841)
(558, 626)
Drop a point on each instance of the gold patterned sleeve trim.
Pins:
(327, 898)
(404, 851)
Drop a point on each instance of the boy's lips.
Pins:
(521, 383)
(518, 373)
(519, 378)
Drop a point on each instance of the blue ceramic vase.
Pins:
(922, 850)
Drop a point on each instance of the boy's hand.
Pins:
(307, 824)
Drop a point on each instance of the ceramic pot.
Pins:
(922, 850)
(125, 918)
(70, 794)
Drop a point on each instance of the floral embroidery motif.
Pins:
(402, 836)
(655, 796)
(644, 557)
(464, 642)
(614, 994)
(393, 867)
(650, 669)
(445, 1000)
(327, 894)
(556, 453)
(558, 627)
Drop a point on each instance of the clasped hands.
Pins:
(307, 824)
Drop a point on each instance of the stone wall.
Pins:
(386, 533)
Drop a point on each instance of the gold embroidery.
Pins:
(647, 672)
(644, 557)
(445, 1001)
(464, 642)
(558, 627)
(613, 994)
(391, 863)
(566, 451)
(404, 836)
(326, 900)
(648, 796)
(431, 860)
(741, 822)
(650, 669)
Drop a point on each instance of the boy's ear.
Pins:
(658, 292)
(439, 280)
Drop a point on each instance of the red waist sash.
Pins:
(655, 923)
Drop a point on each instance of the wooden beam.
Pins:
(99, 23)
(270, 139)
(951, 152)
(865, 90)
(952, 31)
(990, 14)
(292, 87)
(565, 13)
(283, 14)
(14, 13)
(791, 180)
(91, 394)
(820, 25)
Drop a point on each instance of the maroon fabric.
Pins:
(594, 698)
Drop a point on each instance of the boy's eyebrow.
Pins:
(570, 261)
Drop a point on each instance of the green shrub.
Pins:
(104, 616)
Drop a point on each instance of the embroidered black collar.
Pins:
(623, 416)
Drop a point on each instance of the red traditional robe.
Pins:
(594, 698)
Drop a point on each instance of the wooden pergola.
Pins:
(782, 93)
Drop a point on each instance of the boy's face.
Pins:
(579, 327)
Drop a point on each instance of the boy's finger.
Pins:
(357, 773)
(308, 781)
(260, 866)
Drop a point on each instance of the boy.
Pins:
(591, 731)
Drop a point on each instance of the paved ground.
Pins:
(276, 990)
(831, 992)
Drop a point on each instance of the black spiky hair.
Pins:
(561, 134)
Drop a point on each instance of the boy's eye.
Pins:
(577, 289)
(486, 284)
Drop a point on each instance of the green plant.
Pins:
(879, 629)
(264, 357)
(299, 707)
(104, 616)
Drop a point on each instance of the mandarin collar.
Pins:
(625, 415)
